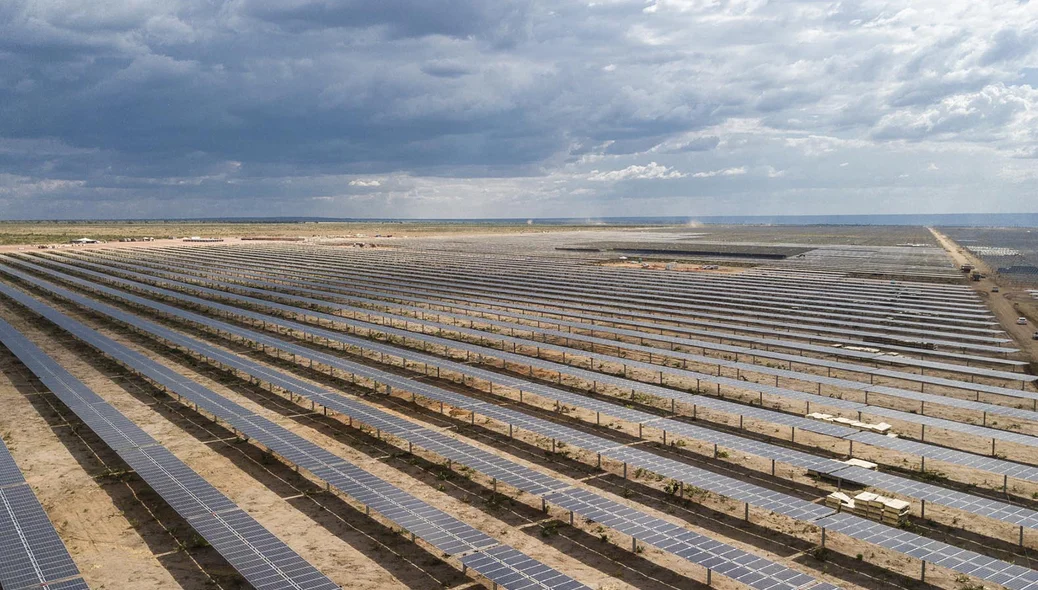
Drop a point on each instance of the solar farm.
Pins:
(606, 410)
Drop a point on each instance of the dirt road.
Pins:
(1008, 305)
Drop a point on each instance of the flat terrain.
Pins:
(48, 232)
(689, 395)
(848, 235)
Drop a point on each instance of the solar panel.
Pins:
(73, 584)
(774, 501)
(434, 526)
(261, 558)
(964, 561)
(721, 484)
(1017, 515)
(9, 472)
(182, 488)
(777, 453)
(989, 464)
(30, 551)
(511, 569)
(724, 559)
(960, 427)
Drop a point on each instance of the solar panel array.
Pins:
(374, 273)
(852, 408)
(31, 554)
(761, 497)
(775, 501)
(492, 465)
(243, 271)
(561, 287)
(582, 440)
(258, 556)
(998, 466)
(760, 346)
(740, 366)
(447, 534)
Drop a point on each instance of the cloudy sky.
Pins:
(501, 108)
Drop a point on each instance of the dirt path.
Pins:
(1001, 304)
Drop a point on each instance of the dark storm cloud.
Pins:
(531, 108)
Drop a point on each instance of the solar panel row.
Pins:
(854, 409)
(744, 491)
(31, 554)
(727, 440)
(725, 559)
(265, 562)
(378, 276)
(437, 528)
(240, 271)
(269, 289)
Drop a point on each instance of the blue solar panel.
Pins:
(432, 525)
(182, 488)
(9, 472)
(31, 553)
(774, 501)
(512, 570)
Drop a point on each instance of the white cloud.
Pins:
(365, 183)
(722, 172)
(634, 172)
